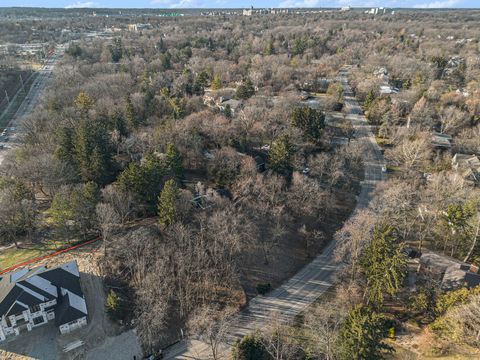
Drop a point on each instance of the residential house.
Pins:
(451, 273)
(221, 98)
(468, 166)
(30, 298)
(235, 106)
(387, 89)
(440, 140)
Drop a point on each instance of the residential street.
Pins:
(314, 279)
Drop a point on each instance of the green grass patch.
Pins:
(391, 168)
(14, 255)
(383, 141)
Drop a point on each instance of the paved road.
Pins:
(31, 100)
(315, 278)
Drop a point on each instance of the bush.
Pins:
(114, 306)
(264, 288)
(249, 348)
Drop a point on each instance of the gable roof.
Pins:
(25, 288)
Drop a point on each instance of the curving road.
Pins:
(317, 277)
(11, 138)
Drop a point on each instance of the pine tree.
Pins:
(216, 82)
(174, 161)
(200, 83)
(228, 111)
(144, 179)
(178, 107)
(280, 156)
(166, 203)
(83, 102)
(245, 90)
(132, 118)
(310, 121)
(269, 49)
(65, 150)
(93, 152)
(116, 50)
(362, 334)
(384, 265)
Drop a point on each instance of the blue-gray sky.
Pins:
(242, 3)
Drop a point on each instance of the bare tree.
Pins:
(210, 325)
(352, 237)
(121, 202)
(108, 220)
(324, 323)
(278, 338)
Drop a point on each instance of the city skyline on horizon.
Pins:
(201, 4)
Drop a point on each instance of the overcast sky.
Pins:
(242, 3)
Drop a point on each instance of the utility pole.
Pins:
(8, 99)
(21, 80)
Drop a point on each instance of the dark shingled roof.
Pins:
(29, 287)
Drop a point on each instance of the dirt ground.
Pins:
(100, 336)
(419, 344)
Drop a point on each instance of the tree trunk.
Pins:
(474, 242)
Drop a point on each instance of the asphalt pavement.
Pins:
(317, 277)
(13, 129)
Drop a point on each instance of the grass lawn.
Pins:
(12, 256)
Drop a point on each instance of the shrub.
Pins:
(264, 288)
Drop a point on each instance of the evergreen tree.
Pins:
(299, 47)
(65, 149)
(245, 90)
(166, 61)
(83, 102)
(280, 156)
(174, 161)
(200, 83)
(144, 179)
(384, 265)
(116, 50)
(178, 107)
(132, 118)
(113, 304)
(74, 208)
(93, 152)
(228, 111)
(161, 47)
(249, 348)
(362, 334)
(310, 121)
(269, 49)
(74, 50)
(166, 203)
(216, 82)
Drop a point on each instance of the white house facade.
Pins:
(32, 297)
